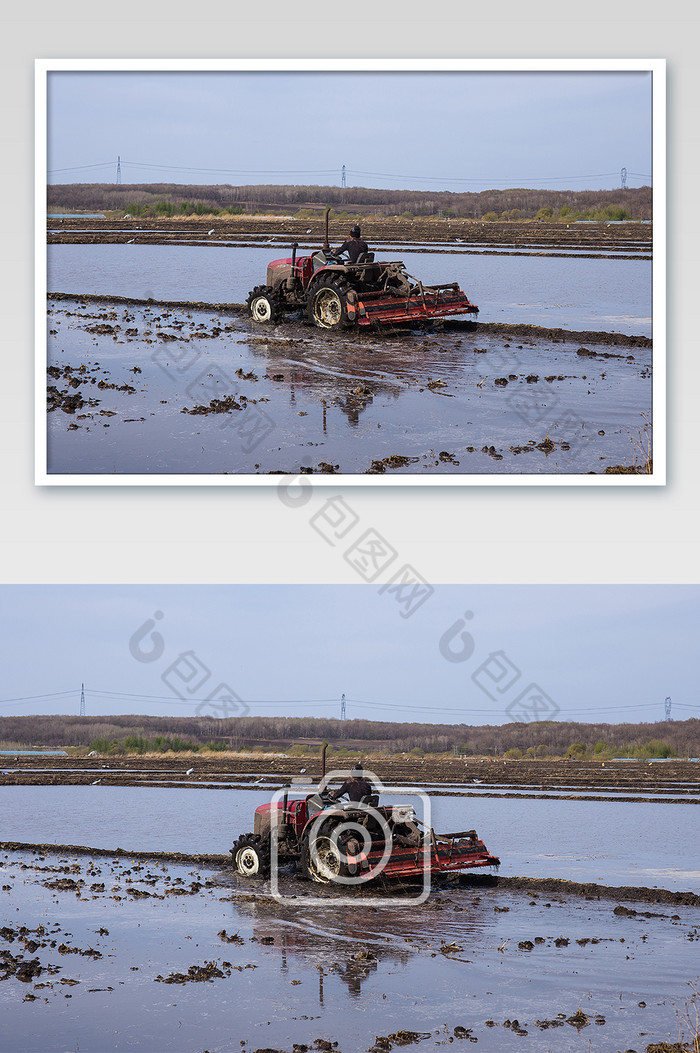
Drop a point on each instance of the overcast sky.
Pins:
(400, 130)
(593, 653)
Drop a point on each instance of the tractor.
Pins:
(351, 843)
(337, 294)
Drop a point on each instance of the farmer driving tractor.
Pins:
(354, 246)
(356, 787)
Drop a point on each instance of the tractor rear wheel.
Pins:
(323, 862)
(327, 858)
(251, 855)
(262, 305)
(328, 303)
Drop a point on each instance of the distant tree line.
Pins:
(543, 738)
(140, 199)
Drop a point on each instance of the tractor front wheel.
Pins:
(262, 305)
(328, 304)
(251, 855)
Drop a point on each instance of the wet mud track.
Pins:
(140, 388)
(116, 952)
(611, 778)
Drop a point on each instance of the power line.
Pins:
(428, 706)
(34, 698)
(510, 181)
(78, 168)
(235, 171)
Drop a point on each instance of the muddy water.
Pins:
(606, 295)
(606, 842)
(449, 402)
(118, 944)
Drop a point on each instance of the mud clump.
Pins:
(102, 330)
(628, 469)
(234, 938)
(324, 468)
(384, 1043)
(21, 969)
(578, 1020)
(491, 451)
(224, 405)
(195, 974)
(65, 885)
(464, 1032)
(56, 399)
(396, 460)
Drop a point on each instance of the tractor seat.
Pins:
(368, 275)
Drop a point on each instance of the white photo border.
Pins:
(657, 68)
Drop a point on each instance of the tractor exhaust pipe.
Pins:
(326, 246)
(323, 760)
(295, 246)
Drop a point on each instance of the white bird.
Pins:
(210, 231)
(302, 771)
(476, 780)
(309, 230)
(189, 771)
(131, 242)
(97, 782)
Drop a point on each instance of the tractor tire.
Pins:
(327, 305)
(251, 855)
(324, 864)
(262, 305)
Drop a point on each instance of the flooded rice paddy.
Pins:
(609, 295)
(606, 842)
(123, 948)
(112, 952)
(144, 390)
(189, 386)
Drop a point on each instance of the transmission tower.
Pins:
(342, 708)
(119, 169)
(667, 707)
(82, 700)
(342, 181)
(623, 178)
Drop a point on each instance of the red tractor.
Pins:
(336, 294)
(352, 843)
